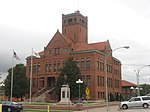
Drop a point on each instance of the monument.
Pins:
(65, 93)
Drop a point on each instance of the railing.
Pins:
(41, 91)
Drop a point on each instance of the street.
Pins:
(116, 109)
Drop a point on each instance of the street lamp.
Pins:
(137, 76)
(135, 89)
(105, 61)
(1, 93)
(79, 81)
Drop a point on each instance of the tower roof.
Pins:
(76, 13)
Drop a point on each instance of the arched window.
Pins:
(88, 64)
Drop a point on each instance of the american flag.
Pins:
(15, 56)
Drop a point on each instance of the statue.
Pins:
(65, 79)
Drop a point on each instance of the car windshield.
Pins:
(15, 103)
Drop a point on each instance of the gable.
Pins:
(102, 46)
(58, 41)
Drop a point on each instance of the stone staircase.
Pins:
(44, 95)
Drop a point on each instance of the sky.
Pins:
(27, 24)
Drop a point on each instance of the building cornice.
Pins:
(87, 51)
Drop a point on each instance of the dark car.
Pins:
(8, 106)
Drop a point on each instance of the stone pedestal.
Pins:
(65, 95)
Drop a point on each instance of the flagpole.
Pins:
(12, 74)
(31, 77)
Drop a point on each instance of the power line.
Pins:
(134, 64)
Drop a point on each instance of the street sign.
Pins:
(87, 97)
(87, 91)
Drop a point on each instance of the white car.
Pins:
(140, 101)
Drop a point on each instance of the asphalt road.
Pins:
(116, 109)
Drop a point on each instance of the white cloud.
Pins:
(32, 23)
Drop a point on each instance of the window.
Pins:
(50, 52)
(98, 64)
(146, 98)
(101, 81)
(82, 64)
(137, 99)
(82, 21)
(65, 21)
(46, 67)
(33, 82)
(88, 80)
(78, 65)
(101, 95)
(54, 67)
(117, 84)
(50, 67)
(38, 68)
(102, 65)
(70, 20)
(58, 67)
(88, 64)
(30, 69)
(98, 80)
(109, 82)
(34, 68)
(57, 51)
(74, 19)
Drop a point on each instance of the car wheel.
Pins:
(145, 105)
(124, 106)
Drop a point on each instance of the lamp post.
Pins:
(105, 62)
(1, 86)
(79, 81)
(137, 76)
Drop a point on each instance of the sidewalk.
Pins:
(102, 109)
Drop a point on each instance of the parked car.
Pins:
(8, 106)
(140, 101)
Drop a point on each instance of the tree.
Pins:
(72, 73)
(145, 89)
(20, 82)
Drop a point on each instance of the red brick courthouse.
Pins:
(73, 42)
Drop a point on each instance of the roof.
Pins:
(41, 53)
(127, 84)
(100, 45)
(82, 46)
